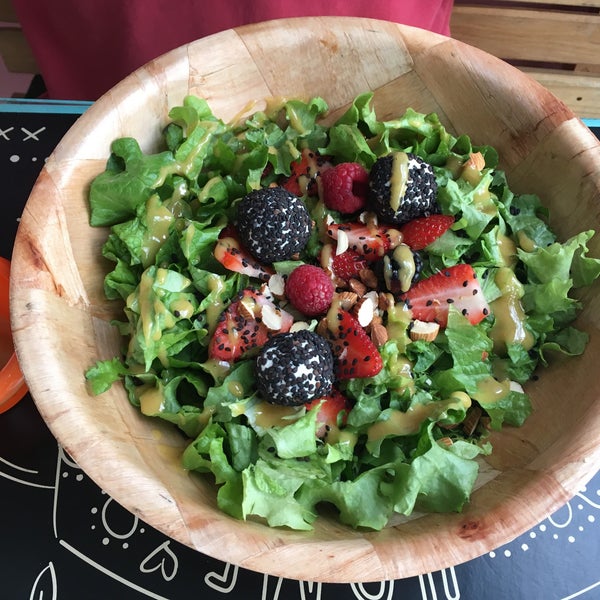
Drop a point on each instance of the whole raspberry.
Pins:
(345, 187)
(309, 289)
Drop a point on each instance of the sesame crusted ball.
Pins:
(399, 269)
(294, 368)
(402, 187)
(273, 224)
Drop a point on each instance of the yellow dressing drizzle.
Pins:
(508, 250)
(509, 316)
(158, 221)
(214, 309)
(182, 308)
(491, 390)
(398, 179)
(409, 422)
(151, 399)
(273, 415)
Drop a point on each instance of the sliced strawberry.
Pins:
(356, 355)
(429, 299)
(333, 411)
(348, 264)
(229, 252)
(422, 231)
(247, 323)
(371, 241)
(303, 179)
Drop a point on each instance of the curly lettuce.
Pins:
(404, 446)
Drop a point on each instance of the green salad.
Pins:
(455, 307)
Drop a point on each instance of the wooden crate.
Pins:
(557, 42)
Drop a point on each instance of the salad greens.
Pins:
(404, 447)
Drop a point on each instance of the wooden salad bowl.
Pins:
(62, 321)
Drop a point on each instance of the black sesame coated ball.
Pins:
(273, 224)
(402, 187)
(294, 368)
(399, 270)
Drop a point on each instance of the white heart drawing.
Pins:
(168, 563)
(224, 582)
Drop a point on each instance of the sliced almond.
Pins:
(271, 317)
(377, 317)
(358, 287)
(277, 285)
(265, 291)
(322, 327)
(379, 334)
(248, 308)
(299, 326)
(423, 330)
(368, 277)
(472, 420)
(368, 218)
(386, 301)
(515, 386)
(374, 296)
(339, 283)
(347, 300)
(342, 242)
(364, 310)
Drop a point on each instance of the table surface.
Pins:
(63, 538)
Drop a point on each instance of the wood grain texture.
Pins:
(554, 42)
(527, 34)
(62, 325)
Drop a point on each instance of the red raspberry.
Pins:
(309, 289)
(344, 187)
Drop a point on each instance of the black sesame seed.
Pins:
(273, 224)
(419, 198)
(295, 368)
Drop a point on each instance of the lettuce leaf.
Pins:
(403, 447)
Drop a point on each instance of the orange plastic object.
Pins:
(12, 384)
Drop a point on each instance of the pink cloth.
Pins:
(85, 47)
